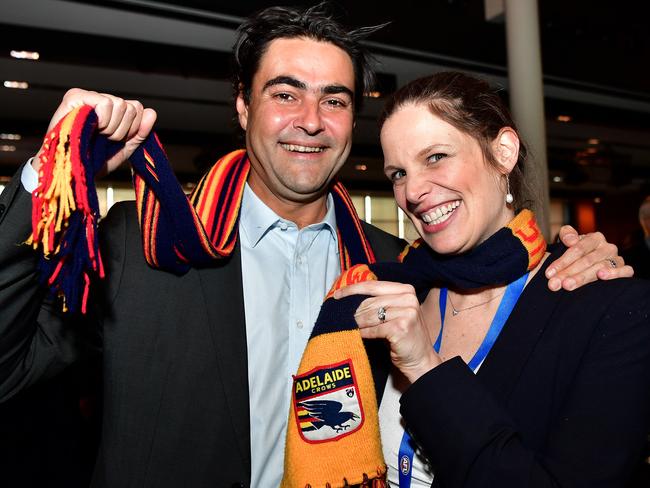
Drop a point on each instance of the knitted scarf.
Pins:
(333, 431)
(178, 232)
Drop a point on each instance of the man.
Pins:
(197, 368)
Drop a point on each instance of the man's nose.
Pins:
(309, 118)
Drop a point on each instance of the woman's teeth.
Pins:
(440, 214)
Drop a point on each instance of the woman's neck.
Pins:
(468, 315)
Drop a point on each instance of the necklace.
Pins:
(455, 311)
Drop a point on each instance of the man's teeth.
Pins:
(302, 149)
(440, 214)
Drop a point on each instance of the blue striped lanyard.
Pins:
(508, 302)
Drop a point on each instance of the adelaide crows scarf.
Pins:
(333, 434)
(178, 232)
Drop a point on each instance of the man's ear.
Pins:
(505, 148)
(242, 110)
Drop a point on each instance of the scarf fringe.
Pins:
(65, 216)
(378, 481)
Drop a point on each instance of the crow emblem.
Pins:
(328, 413)
(326, 402)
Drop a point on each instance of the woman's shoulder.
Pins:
(624, 293)
(622, 303)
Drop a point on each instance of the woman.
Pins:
(508, 384)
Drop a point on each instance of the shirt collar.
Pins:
(256, 219)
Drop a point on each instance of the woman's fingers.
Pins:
(374, 288)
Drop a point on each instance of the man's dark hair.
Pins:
(317, 23)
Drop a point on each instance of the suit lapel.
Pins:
(501, 369)
(224, 300)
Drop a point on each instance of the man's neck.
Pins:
(303, 214)
(300, 213)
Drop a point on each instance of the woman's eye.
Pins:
(397, 175)
(434, 158)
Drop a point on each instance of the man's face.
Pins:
(298, 121)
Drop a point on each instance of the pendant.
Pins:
(454, 312)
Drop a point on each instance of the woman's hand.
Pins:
(393, 313)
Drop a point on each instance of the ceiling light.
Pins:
(593, 142)
(373, 94)
(563, 118)
(597, 200)
(7, 148)
(361, 167)
(31, 55)
(11, 137)
(557, 179)
(20, 85)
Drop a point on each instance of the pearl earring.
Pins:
(509, 197)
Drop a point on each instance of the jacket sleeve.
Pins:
(595, 439)
(35, 340)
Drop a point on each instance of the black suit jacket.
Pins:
(175, 410)
(562, 399)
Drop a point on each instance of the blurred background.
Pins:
(174, 57)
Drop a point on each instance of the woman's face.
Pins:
(442, 181)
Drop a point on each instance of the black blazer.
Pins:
(175, 409)
(562, 399)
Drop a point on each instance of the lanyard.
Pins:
(507, 304)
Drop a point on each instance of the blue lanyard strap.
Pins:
(507, 304)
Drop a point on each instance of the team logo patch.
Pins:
(405, 465)
(326, 403)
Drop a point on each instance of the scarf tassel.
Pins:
(64, 219)
(377, 482)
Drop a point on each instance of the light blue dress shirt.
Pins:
(29, 177)
(286, 273)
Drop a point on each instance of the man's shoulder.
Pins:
(385, 245)
(121, 214)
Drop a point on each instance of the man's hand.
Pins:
(589, 257)
(118, 119)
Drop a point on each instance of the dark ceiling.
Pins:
(174, 56)
(592, 42)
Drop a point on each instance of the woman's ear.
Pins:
(505, 148)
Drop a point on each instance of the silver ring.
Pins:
(611, 262)
(381, 314)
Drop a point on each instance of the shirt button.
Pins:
(301, 259)
(283, 226)
(299, 324)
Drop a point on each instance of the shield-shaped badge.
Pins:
(327, 403)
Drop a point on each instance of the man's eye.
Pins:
(335, 102)
(285, 97)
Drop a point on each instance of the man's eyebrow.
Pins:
(285, 80)
(301, 85)
(335, 89)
